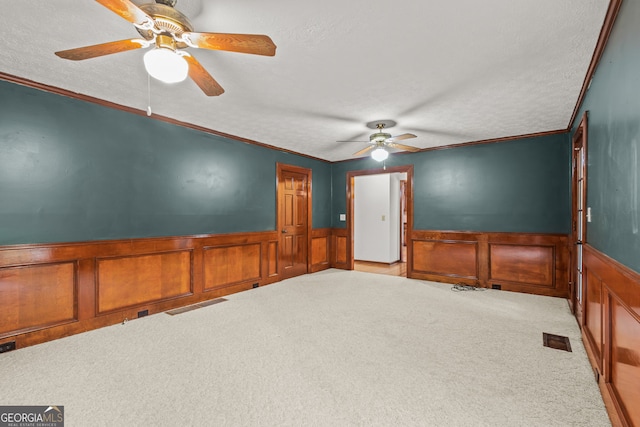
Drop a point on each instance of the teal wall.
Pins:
(76, 171)
(521, 185)
(613, 180)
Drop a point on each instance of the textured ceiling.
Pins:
(450, 72)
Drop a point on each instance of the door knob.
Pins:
(284, 231)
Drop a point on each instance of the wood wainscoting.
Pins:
(49, 291)
(520, 262)
(610, 325)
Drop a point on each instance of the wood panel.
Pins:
(341, 250)
(339, 244)
(612, 311)
(35, 297)
(625, 359)
(529, 264)
(131, 281)
(455, 259)
(593, 307)
(272, 258)
(520, 262)
(230, 265)
(320, 249)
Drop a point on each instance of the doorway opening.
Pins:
(380, 220)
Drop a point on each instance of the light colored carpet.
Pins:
(335, 348)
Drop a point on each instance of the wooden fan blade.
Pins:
(364, 150)
(127, 10)
(401, 137)
(244, 43)
(202, 78)
(100, 49)
(404, 147)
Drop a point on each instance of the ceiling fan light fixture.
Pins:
(166, 65)
(379, 154)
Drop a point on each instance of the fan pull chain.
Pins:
(148, 95)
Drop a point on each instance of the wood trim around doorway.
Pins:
(408, 169)
(578, 146)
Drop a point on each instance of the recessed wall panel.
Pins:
(446, 258)
(341, 249)
(129, 281)
(528, 264)
(625, 358)
(319, 250)
(272, 258)
(227, 265)
(36, 296)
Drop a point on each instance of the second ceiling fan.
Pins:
(170, 32)
(381, 141)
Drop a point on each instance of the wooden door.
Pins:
(294, 212)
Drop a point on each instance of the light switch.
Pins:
(383, 217)
(343, 217)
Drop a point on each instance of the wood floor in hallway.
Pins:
(396, 269)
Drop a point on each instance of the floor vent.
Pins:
(195, 306)
(556, 341)
(7, 346)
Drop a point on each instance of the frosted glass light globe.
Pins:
(166, 65)
(379, 154)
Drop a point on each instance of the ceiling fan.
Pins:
(380, 141)
(169, 32)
